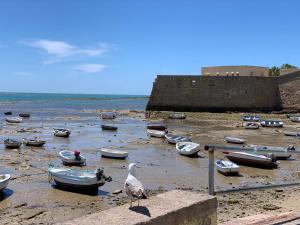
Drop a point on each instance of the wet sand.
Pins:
(30, 199)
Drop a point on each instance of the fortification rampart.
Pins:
(219, 94)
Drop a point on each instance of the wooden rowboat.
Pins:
(173, 139)
(235, 140)
(271, 123)
(10, 143)
(112, 153)
(109, 127)
(156, 133)
(156, 126)
(72, 158)
(227, 167)
(4, 179)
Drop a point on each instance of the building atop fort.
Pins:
(235, 71)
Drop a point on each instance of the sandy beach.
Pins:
(30, 199)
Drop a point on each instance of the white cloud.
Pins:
(24, 74)
(60, 51)
(90, 68)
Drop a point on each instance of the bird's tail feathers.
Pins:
(144, 196)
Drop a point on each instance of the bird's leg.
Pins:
(138, 201)
(130, 202)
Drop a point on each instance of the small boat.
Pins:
(24, 115)
(108, 115)
(271, 123)
(62, 132)
(235, 140)
(156, 133)
(178, 116)
(251, 125)
(72, 158)
(156, 126)
(13, 119)
(187, 148)
(259, 161)
(173, 139)
(112, 153)
(251, 118)
(76, 179)
(108, 127)
(291, 133)
(278, 152)
(227, 167)
(4, 179)
(8, 113)
(295, 119)
(10, 143)
(34, 142)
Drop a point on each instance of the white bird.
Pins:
(133, 187)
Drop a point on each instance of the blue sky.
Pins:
(86, 46)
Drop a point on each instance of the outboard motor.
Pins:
(100, 174)
(77, 155)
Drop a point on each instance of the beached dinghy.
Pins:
(72, 158)
(156, 133)
(251, 125)
(13, 119)
(10, 143)
(109, 127)
(227, 167)
(4, 179)
(34, 142)
(235, 140)
(259, 161)
(112, 153)
(178, 116)
(173, 139)
(271, 123)
(251, 118)
(24, 115)
(291, 133)
(277, 152)
(81, 180)
(62, 132)
(156, 126)
(108, 115)
(295, 119)
(187, 148)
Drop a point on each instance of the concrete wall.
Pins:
(235, 71)
(217, 94)
(170, 208)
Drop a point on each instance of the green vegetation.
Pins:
(275, 71)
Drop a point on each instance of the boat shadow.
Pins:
(6, 193)
(141, 209)
(81, 191)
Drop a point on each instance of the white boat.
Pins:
(84, 180)
(187, 148)
(271, 123)
(253, 160)
(62, 132)
(4, 179)
(227, 167)
(235, 140)
(291, 133)
(112, 153)
(178, 116)
(251, 118)
(108, 115)
(13, 119)
(10, 143)
(173, 139)
(72, 157)
(295, 119)
(34, 142)
(277, 152)
(156, 133)
(251, 125)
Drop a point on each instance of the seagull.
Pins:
(133, 187)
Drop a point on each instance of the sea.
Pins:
(68, 104)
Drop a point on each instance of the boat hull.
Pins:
(4, 181)
(268, 164)
(107, 153)
(156, 133)
(107, 127)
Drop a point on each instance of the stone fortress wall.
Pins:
(225, 93)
